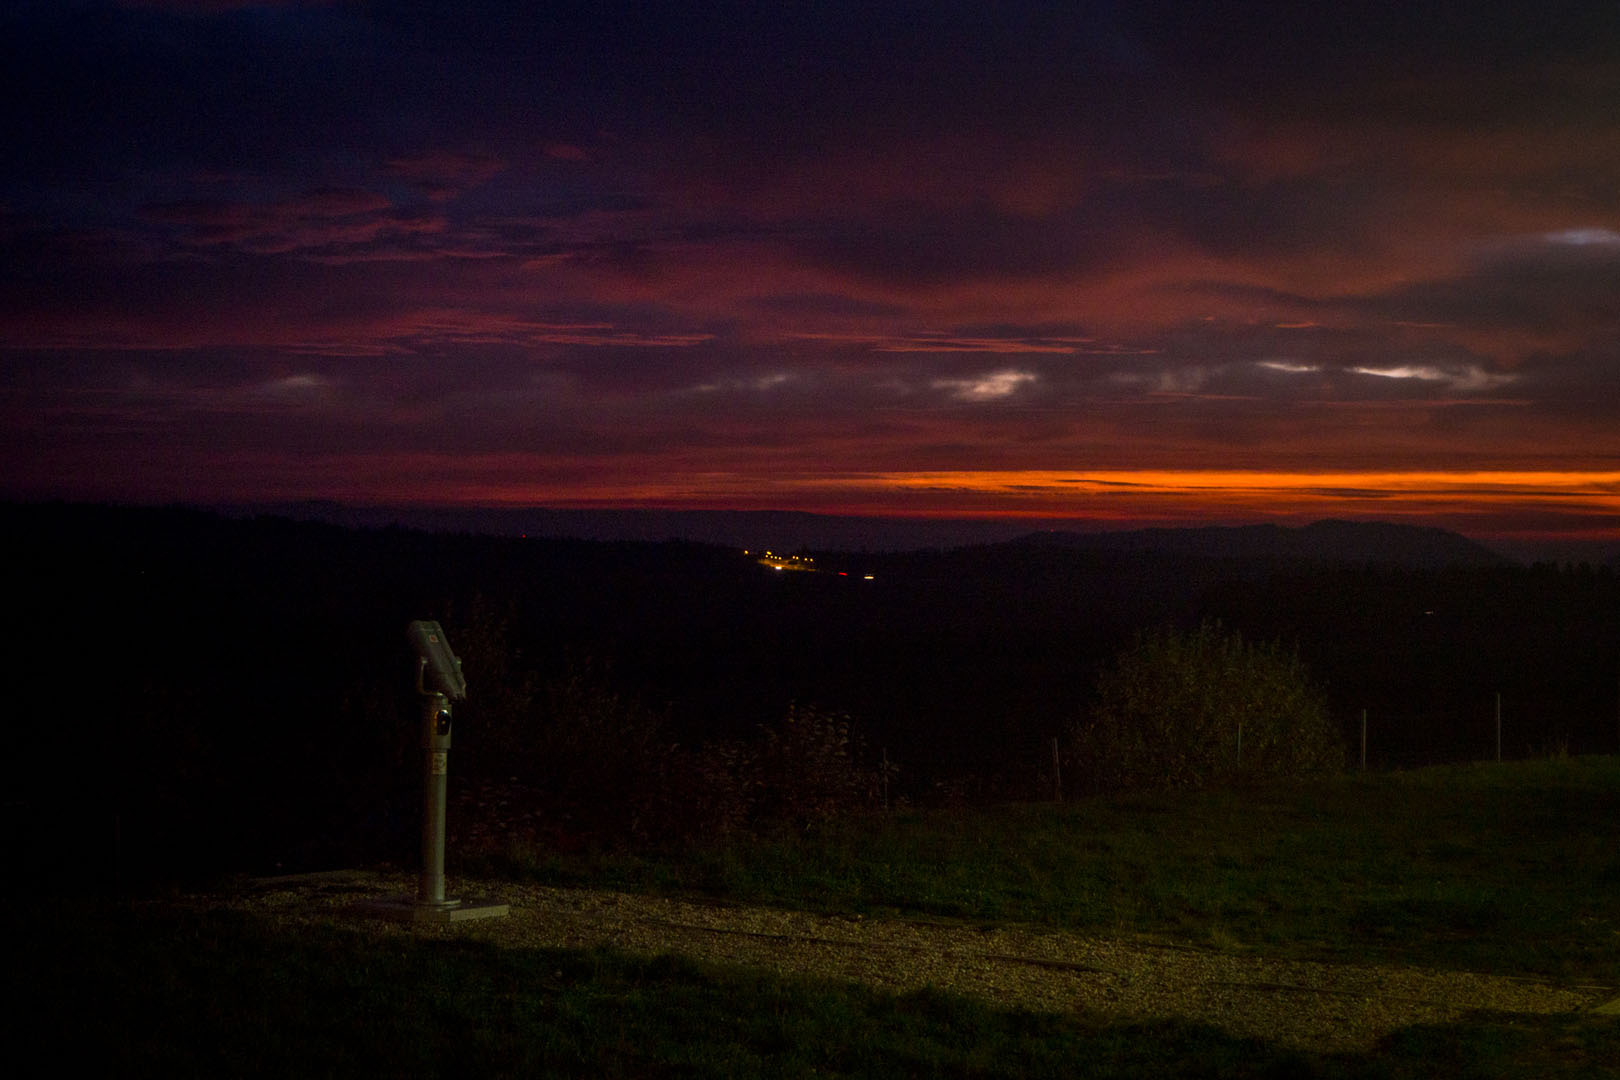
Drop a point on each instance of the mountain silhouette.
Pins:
(1323, 541)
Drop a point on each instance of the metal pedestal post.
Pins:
(435, 777)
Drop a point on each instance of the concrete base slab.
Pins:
(407, 909)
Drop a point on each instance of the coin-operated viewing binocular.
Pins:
(438, 681)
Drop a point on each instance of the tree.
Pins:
(1194, 709)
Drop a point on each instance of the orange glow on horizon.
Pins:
(1604, 487)
(1024, 486)
(1521, 503)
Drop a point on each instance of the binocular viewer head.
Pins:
(437, 660)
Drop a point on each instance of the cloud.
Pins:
(758, 384)
(320, 219)
(822, 304)
(1146, 233)
(217, 7)
(303, 389)
(1549, 295)
(1465, 379)
(1585, 237)
(443, 174)
(566, 152)
(927, 246)
(953, 344)
(991, 387)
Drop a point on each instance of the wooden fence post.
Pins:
(1057, 772)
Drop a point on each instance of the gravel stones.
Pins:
(1305, 1004)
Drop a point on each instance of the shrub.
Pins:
(594, 755)
(810, 769)
(1195, 709)
(700, 796)
(576, 761)
(505, 695)
(571, 757)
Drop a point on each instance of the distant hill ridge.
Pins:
(1321, 541)
(1332, 541)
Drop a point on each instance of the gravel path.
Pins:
(1301, 1003)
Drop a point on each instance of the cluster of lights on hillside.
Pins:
(800, 563)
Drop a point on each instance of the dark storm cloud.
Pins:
(1566, 283)
(931, 247)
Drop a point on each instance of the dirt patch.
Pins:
(1305, 1004)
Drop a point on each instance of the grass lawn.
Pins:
(1511, 869)
(150, 992)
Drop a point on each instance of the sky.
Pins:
(1122, 263)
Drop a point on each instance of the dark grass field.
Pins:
(1510, 869)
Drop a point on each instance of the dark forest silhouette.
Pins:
(201, 693)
